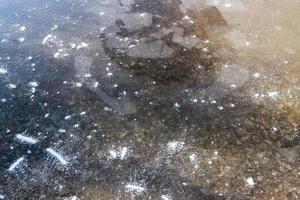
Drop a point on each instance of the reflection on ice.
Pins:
(83, 66)
(231, 78)
(122, 106)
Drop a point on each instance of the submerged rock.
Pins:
(291, 154)
(173, 47)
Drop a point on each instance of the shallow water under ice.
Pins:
(92, 107)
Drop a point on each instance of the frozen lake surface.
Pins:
(149, 99)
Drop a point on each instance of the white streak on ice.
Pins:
(22, 28)
(175, 146)
(12, 86)
(68, 117)
(272, 94)
(47, 38)
(113, 154)
(134, 188)
(16, 164)
(124, 152)
(33, 84)
(165, 197)
(26, 139)
(3, 71)
(57, 156)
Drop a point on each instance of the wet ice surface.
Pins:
(149, 100)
